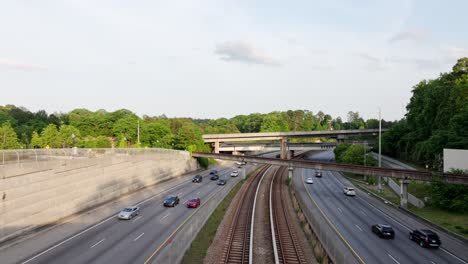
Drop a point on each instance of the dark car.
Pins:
(425, 238)
(213, 172)
(383, 231)
(214, 177)
(222, 182)
(193, 203)
(171, 201)
(197, 178)
(318, 174)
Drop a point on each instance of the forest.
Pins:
(21, 128)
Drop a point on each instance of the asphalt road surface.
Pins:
(130, 241)
(354, 216)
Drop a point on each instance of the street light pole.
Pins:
(380, 148)
(138, 133)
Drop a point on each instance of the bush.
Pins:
(203, 162)
(451, 197)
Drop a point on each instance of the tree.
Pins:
(159, 135)
(103, 142)
(50, 137)
(36, 141)
(274, 122)
(8, 138)
(127, 127)
(68, 135)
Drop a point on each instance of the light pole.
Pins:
(380, 148)
(138, 132)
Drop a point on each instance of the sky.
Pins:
(221, 58)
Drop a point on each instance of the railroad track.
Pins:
(237, 249)
(286, 245)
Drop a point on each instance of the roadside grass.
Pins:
(199, 247)
(419, 189)
(455, 222)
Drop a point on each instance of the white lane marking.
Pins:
(409, 229)
(136, 219)
(185, 201)
(198, 192)
(359, 228)
(100, 223)
(138, 237)
(165, 216)
(363, 213)
(433, 262)
(100, 241)
(393, 258)
(180, 194)
(339, 209)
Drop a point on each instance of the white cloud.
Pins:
(456, 53)
(243, 52)
(409, 35)
(11, 64)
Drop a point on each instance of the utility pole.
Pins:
(138, 130)
(380, 148)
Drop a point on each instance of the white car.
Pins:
(234, 173)
(129, 212)
(349, 191)
(309, 181)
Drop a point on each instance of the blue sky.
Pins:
(215, 58)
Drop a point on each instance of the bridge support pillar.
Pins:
(290, 172)
(404, 193)
(284, 148)
(216, 147)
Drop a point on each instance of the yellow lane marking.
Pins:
(332, 225)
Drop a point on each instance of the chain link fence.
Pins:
(37, 155)
(331, 240)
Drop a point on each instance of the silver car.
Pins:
(129, 212)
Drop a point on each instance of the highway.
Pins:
(131, 241)
(353, 217)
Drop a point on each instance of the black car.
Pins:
(221, 182)
(197, 178)
(425, 238)
(383, 231)
(213, 172)
(318, 174)
(171, 201)
(214, 177)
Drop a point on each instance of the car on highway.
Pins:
(171, 201)
(197, 178)
(309, 180)
(212, 172)
(318, 174)
(383, 231)
(234, 173)
(221, 182)
(349, 191)
(425, 238)
(129, 212)
(193, 203)
(214, 177)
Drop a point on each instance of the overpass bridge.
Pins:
(283, 137)
(236, 148)
(403, 175)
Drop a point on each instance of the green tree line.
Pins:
(21, 128)
(436, 118)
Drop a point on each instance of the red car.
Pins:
(193, 203)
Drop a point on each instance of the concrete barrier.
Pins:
(39, 193)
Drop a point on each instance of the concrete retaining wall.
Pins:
(41, 193)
